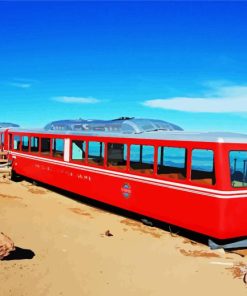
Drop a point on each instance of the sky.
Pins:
(183, 62)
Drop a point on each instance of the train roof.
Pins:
(127, 125)
(217, 137)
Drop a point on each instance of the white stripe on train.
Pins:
(143, 179)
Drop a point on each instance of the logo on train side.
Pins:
(126, 190)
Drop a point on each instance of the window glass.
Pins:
(17, 142)
(116, 156)
(142, 158)
(2, 139)
(238, 168)
(45, 146)
(58, 148)
(202, 166)
(78, 150)
(34, 144)
(172, 162)
(96, 153)
(25, 143)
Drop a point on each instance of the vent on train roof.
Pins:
(127, 125)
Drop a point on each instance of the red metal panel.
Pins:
(194, 208)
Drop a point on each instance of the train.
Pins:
(194, 180)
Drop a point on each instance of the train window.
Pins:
(2, 139)
(238, 167)
(96, 153)
(58, 148)
(78, 150)
(202, 166)
(17, 142)
(116, 156)
(25, 143)
(34, 144)
(142, 159)
(172, 162)
(45, 146)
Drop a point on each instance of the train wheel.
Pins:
(147, 222)
(15, 177)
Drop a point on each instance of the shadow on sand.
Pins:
(20, 254)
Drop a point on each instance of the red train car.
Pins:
(2, 132)
(196, 181)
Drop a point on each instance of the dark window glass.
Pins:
(142, 159)
(172, 162)
(17, 142)
(96, 153)
(116, 156)
(45, 146)
(238, 167)
(2, 139)
(58, 148)
(34, 144)
(202, 166)
(78, 150)
(25, 143)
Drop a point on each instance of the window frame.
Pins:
(90, 160)
(229, 167)
(82, 161)
(42, 153)
(214, 177)
(28, 147)
(171, 176)
(150, 172)
(52, 153)
(116, 167)
(13, 142)
(39, 144)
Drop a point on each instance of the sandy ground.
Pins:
(75, 256)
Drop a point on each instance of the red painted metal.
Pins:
(211, 210)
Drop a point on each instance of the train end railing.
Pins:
(5, 165)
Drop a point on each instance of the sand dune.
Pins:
(65, 247)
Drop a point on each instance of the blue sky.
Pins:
(183, 62)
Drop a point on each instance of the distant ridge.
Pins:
(8, 124)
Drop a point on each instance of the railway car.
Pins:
(197, 181)
(1, 140)
(2, 132)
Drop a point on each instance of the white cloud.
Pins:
(76, 100)
(220, 99)
(20, 85)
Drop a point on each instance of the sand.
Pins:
(83, 250)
